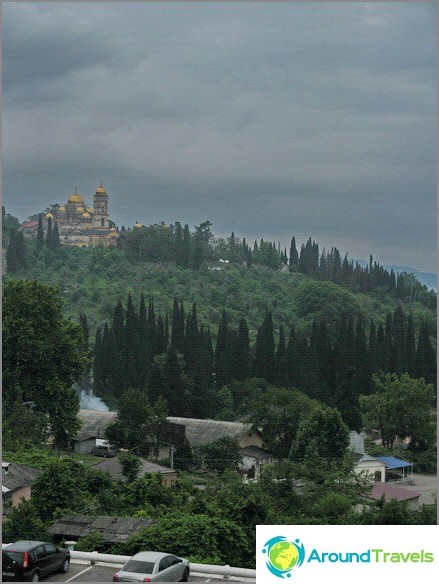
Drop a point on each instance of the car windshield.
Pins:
(139, 567)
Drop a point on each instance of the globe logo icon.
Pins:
(283, 555)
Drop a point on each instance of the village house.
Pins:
(17, 480)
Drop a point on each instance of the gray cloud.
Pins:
(269, 119)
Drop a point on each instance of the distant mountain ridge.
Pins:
(429, 279)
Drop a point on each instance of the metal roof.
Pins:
(391, 492)
(200, 432)
(94, 423)
(392, 462)
(18, 475)
(356, 442)
(112, 529)
(113, 466)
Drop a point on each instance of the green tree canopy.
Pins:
(401, 407)
(222, 454)
(279, 412)
(323, 435)
(43, 355)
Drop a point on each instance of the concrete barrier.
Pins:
(202, 569)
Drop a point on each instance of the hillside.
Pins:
(91, 281)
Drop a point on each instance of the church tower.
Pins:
(100, 208)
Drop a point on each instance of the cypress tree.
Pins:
(410, 347)
(293, 360)
(40, 235)
(388, 343)
(425, 356)
(85, 330)
(399, 354)
(12, 260)
(55, 237)
(222, 370)
(282, 377)
(242, 358)
(49, 243)
(186, 248)
(119, 327)
(178, 245)
(97, 366)
(161, 340)
(381, 349)
(177, 334)
(151, 331)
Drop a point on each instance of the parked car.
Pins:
(106, 450)
(32, 560)
(153, 567)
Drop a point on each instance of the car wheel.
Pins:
(185, 575)
(35, 576)
(65, 566)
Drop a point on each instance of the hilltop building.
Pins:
(79, 224)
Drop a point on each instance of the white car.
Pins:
(153, 567)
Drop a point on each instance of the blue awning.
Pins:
(392, 462)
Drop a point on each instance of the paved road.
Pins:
(426, 485)
(87, 573)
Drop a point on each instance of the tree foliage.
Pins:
(400, 407)
(43, 356)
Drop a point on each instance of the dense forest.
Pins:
(304, 344)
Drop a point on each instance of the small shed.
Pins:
(397, 470)
(93, 426)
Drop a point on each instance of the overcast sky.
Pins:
(268, 119)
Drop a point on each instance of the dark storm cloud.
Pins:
(268, 119)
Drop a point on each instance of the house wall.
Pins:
(251, 439)
(19, 494)
(84, 446)
(371, 468)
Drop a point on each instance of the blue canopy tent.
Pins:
(398, 468)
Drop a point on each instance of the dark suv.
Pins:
(31, 560)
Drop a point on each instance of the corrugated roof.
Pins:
(19, 475)
(201, 432)
(112, 529)
(94, 423)
(113, 466)
(392, 462)
(356, 442)
(391, 492)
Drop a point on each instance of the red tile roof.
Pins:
(391, 492)
(30, 224)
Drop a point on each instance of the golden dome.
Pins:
(86, 226)
(80, 209)
(86, 215)
(75, 198)
(62, 209)
(113, 229)
(101, 190)
(89, 209)
(137, 225)
(49, 216)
